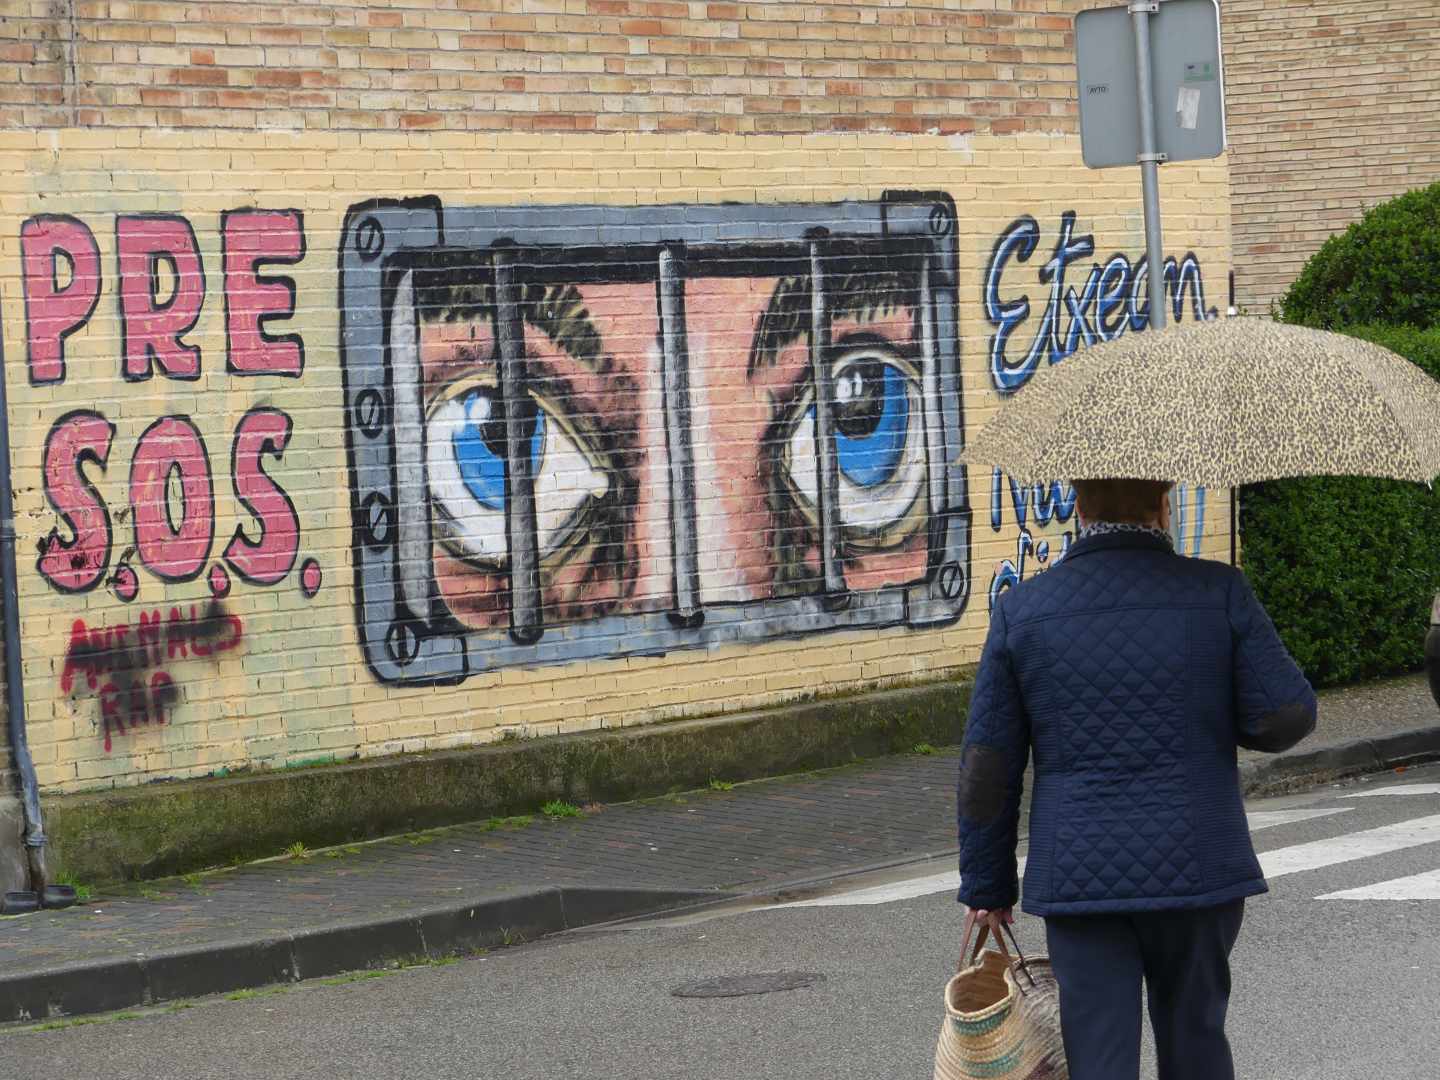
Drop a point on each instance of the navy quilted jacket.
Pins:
(1133, 674)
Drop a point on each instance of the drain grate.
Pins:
(760, 982)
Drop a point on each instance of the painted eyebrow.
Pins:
(863, 297)
(557, 311)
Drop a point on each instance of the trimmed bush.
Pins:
(1347, 566)
(1385, 268)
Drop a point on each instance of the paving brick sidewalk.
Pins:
(764, 832)
(255, 924)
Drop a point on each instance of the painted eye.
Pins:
(465, 456)
(879, 445)
(479, 447)
(872, 420)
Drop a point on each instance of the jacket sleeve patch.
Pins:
(983, 785)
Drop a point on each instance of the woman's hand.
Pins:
(1005, 915)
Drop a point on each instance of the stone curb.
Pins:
(226, 966)
(1283, 772)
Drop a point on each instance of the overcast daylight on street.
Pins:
(661, 539)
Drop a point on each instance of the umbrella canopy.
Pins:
(1220, 404)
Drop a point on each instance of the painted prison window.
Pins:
(593, 367)
(601, 449)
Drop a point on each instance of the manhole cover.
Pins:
(760, 982)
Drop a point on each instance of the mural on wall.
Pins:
(166, 530)
(1113, 299)
(585, 432)
(572, 432)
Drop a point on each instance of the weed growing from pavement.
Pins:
(721, 785)
(360, 976)
(194, 881)
(84, 1021)
(298, 850)
(83, 893)
(557, 808)
(517, 822)
(924, 748)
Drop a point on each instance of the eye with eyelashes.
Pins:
(879, 446)
(466, 466)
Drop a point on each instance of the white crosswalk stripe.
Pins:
(1277, 863)
(1268, 819)
(1396, 789)
(1357, 845)
(885, 894)
(1424, 886)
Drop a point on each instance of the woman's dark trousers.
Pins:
(1184, 959)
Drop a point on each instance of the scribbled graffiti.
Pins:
(1039, 506)
(703, 425)
(134, 671)
(1112, 299)
(1187, 511)
(161, 287)
(1032, 505)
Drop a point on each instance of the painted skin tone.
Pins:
(602, 472)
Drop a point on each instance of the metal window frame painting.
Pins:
(408, 633)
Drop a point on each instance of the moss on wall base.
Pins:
(174, 828)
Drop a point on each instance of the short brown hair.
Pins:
(1120, 501)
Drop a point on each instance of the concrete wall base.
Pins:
(172, 828)
(14, 873)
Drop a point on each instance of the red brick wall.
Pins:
(541, 65)
(1332, 108)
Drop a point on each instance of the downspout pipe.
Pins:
(1230, 312)
(14, 680)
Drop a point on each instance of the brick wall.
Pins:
(272, 507)
(540, 65)
(1331, 110)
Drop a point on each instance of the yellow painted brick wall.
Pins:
(282, 676)
(1331, 108)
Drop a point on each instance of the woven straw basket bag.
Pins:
(1002, 1016)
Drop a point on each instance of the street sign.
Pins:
(1186, 80)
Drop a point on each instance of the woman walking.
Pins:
(1132, 674)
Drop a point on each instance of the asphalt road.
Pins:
(1326, 989)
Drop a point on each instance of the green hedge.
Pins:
(1347, 567)
(1385, 268)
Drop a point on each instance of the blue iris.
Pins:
(480, 449)
(872, 420)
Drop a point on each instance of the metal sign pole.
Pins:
(1149, 159)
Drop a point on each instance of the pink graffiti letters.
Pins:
(268, 560)
(53, 311)
(173, 551)
(160, 291)
(78, 564)
(128, 668)
(150, 328)
(251, 238)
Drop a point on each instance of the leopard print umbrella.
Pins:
(1220, 404)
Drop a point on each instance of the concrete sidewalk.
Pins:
(491, 883)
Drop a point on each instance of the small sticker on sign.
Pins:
(1187, 109)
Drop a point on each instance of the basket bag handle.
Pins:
(991, 927)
